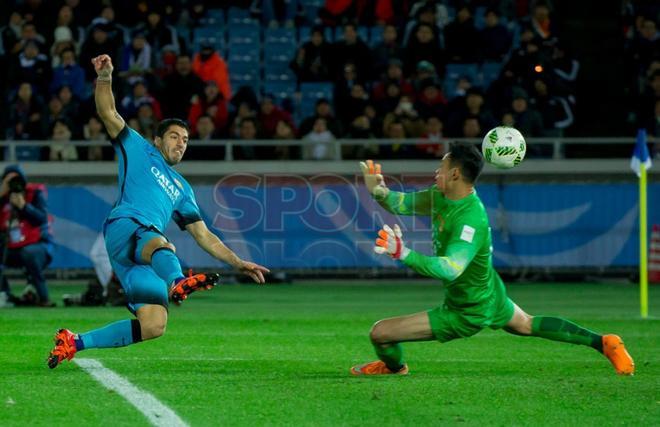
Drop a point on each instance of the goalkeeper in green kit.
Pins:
(475, 296)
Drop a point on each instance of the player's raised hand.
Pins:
(390, 242)
(373, 179)
(103, 66)
(255, 271)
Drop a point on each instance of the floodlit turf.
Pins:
(248, 355)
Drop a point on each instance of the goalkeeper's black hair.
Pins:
(468, 158)
(164, 125)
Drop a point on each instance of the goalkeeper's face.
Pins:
(173, 144)
(447, 175)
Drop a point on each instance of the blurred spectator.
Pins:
(471, 128)
(117, 33)
(269, 115)
(462, 38)
(352, 106)
(146, 121)
(210, 103)
(352, 49)
(248, 130)
(70, 106)
(32, 66)
(528, 121)
(541, 25)
(65, 19)
(554, 110)
(423, 46)
(395, 129)
(494, 39)
(136, 59)
(28, 34)
(208, 65)
(365, 12)
(61, 149)
(179, 88)
(284, 130)
(205, 130)
(99, 43)
(69, 73)
(437, 9)
(322, 110)
(243, 111)
(430, 100)
(426, 13)
(11, 34)
(646, 46)
(95, 131)
(343, 86)
(391, 99)
(387, 50)
(319, 142)
(55, 110)
(159, 35)
(393, 74)
(27, 115)
(139, 96)
(406, 114)
(472, 105)
(433, 132)
(646, 103)
(313, 61)
(63, 41)
(276, 12)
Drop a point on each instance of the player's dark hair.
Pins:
(468, 158)
(164, 125)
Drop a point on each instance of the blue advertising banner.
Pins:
(327, 221)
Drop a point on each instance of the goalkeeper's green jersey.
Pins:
(463, 250)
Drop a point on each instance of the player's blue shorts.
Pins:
(124, 239)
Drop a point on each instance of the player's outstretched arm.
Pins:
(214, 246)
(398, 203)
(105, 100)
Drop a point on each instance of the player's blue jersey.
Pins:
(150, 191)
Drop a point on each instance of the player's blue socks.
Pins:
(392, 355)
(166, 265)
(117, 334)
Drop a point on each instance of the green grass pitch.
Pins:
(280, 355)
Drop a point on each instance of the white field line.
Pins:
(157, 413)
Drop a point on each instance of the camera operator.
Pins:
(24, 227)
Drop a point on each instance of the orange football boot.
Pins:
(615, 350)
(192, 283)
(377, 368)
(65, 348)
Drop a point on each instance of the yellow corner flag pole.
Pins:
(643, 259)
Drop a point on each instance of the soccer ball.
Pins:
(504, 147)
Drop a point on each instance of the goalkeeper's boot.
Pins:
(615, 350)
(65, 348)
(377, 368)
(192, 283)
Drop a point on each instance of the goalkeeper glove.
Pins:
(373, 179)
(389, 241)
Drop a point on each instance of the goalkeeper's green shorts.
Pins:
(448, 324)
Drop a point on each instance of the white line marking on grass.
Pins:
(157, 413)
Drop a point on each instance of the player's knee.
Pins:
(153, 329)
(524, 327)
(378, 333)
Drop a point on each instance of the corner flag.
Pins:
(640, 158)
(640, 162)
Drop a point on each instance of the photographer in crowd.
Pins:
(25, 236)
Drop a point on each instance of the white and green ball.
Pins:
(504, 147)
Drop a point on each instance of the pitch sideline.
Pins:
(156, 412)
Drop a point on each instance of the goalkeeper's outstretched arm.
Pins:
(105, 100)
(398, 203)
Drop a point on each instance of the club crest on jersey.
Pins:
(441, 223)
(172, 192)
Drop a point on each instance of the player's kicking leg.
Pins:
(150, 323)
(386, 336)
(558, 329)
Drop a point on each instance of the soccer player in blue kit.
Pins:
(150, 193)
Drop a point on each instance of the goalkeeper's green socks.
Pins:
(558, 329)
(392, 355)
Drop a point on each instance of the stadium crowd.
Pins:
(642, 61)
(291, 69)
